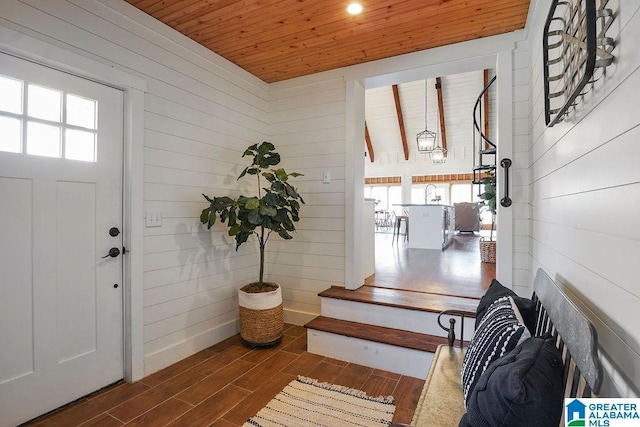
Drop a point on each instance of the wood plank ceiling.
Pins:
(281, 39)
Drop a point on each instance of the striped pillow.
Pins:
(500, 331)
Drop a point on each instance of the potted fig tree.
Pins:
(274, 209)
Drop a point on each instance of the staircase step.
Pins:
(379, 334)
(420, 301)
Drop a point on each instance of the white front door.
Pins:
(61, 321)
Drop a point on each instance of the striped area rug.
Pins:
(306, 402)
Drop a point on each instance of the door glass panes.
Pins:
(32, 121)
(80, 145)
(43, 140)
(81, 111)
(10, 134)
(11, 99)
(44, 103)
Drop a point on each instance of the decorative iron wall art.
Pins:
(576, 53)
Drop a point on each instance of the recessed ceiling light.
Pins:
(355, 9)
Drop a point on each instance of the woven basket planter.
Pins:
(261, 317)
(487, 251)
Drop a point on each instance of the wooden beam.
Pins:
(485, 107)
(367, 139)
(403, 135)
(443, 132)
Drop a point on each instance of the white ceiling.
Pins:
(459, 91)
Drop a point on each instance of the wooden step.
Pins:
(409, 300)
(379, 334)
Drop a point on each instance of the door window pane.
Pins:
(44, 103)
(11, 99)
(43, 140)
(81, 111)
(80, 145)
(10, 134)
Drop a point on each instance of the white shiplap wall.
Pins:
(200, 114)
(307, 125)
(585, 197)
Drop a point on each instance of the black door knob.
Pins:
(113, 231)
(113, 252)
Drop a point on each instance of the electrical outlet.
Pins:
(326, 177)
(154, 218)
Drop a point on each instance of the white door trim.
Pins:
(29, 48)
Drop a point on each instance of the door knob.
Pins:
(113, 231)
(113, 252)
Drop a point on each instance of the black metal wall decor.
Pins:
(576, 52)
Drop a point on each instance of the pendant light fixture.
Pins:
(426, 139)
(438, 155)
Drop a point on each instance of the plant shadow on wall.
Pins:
(275, 209)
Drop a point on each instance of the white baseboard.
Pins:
(299, 318)
(178, 351)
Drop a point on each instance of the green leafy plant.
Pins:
(274, 209)
(489, 196)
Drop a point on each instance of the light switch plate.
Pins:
(326, 177)
(154, 218)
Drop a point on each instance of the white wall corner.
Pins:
(354, 174)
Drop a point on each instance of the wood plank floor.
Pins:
(226, 384)
(455, 271)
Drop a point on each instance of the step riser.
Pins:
(422, 322)
(404, 361)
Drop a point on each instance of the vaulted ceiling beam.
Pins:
(367, 140)
(443, 132)
(403, 135)
(485, 105)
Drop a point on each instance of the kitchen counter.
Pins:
(431, 226)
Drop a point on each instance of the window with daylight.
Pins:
(386, 196)
(42, 121)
